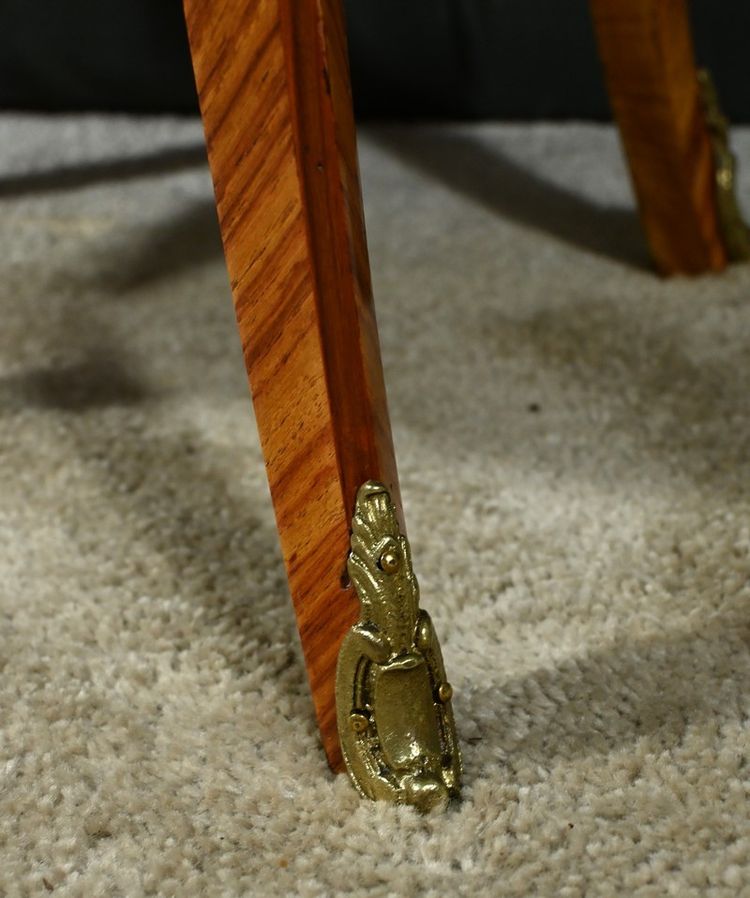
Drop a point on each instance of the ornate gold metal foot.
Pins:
(734, 231)
(393, 701)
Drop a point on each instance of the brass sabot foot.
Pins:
(393, 700)
(734, 232)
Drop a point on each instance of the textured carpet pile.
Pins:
(574, 443)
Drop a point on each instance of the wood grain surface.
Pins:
(273, 82)
(647, 52)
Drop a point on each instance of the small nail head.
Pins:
(389, 562)
(445, 692)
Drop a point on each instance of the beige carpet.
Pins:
(574, 442)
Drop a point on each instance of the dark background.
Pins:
(508, 59)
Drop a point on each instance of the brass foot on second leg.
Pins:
(734, 231)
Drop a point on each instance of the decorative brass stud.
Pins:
(389, 562)
(445, 692)
(359, 722)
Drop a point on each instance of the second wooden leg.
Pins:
(647, 52)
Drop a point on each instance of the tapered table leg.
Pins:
(272, 76)
(647, 52)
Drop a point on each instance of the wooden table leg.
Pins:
(273, 81)
(647, 52)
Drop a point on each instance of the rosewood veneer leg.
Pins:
(273, 81)
(647, 52)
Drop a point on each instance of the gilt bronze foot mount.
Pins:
(393, 700)
(734, 231)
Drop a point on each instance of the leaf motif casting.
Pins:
(393, 701)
